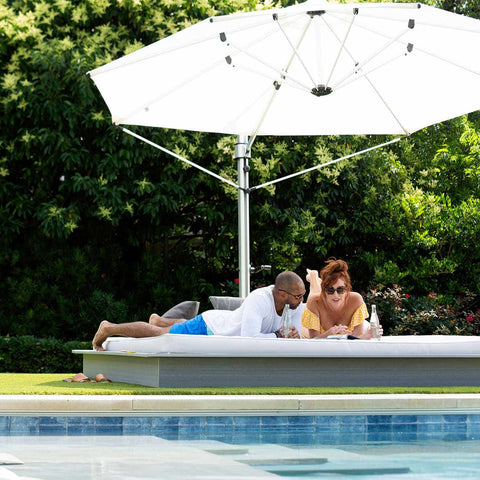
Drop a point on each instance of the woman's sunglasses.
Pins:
(339, 290)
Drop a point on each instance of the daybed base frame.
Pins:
(168, 370)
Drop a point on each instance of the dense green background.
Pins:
(95, 224)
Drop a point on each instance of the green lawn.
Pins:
(53, 384)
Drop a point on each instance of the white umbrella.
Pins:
(316, 68)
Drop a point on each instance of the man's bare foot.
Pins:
(101, 335)
(159, 321)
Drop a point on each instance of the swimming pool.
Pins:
(403, 446)
(334, 429)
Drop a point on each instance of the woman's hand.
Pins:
(338, 330)
(369, 334)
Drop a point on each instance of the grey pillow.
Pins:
(226, 303)
(187, 310)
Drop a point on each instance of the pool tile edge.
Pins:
(224, 404)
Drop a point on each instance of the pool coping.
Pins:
(140, 405)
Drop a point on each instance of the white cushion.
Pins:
(208, 345)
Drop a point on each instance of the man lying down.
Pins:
(260, 315)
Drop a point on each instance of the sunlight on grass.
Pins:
(53, 384)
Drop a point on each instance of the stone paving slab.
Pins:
(120, 458)
(242, 404)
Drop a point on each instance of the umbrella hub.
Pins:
(321, 90)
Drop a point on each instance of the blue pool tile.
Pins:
(349, 429)
(405, 427)
(454, 436)
(301, 424)
(455, 419)
(4, 425)
(300, 421)
(327, 423)
(192, 422)
(274, 421)
(455, 427)
(473, 427)
(361, 428)
(192, 433)
(349, 438)
(430, 427)
(137, 425)
(226, 421)
(81, 421)
(327, 438)
(379, 419)
(226, 436)
(404, 419)
(379, 427)
(164, 422)
(24, 425)
(428, 419)
(53, 425)
(247, 422)
(404, 436)
(219, 430)
(473, 435)
(194, 428)
(473, 418)
(58, 421)
(246, 436)
(53, 430)
(379, 436)
(108, 421)
(78, 430)
(425, 435)
(274, 437)
(353, 420)
(109, 429)
(303, 438)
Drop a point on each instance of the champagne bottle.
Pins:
(287, 320)
(374, 323)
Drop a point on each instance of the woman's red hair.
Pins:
(334, 270)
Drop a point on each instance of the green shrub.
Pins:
(27, 354)
(404, 314)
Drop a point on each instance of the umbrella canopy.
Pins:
(316, 68)
(310, 69)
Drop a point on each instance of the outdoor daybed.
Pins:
(200, 361)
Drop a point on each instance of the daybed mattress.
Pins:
(215, 345)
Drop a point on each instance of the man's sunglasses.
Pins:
(339, 290)
(296, 297)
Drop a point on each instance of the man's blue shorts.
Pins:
(195, 326)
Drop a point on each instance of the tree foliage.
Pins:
(96, 224)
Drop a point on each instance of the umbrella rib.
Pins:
(153, 101)
(285, 75)
(295, 49)
(359, 66)
(179, 157)
(342, 46)
(386, 105)
(317, 167)
(277, 85)
(349, 79)
(446, 60)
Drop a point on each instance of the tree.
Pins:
(98, 225)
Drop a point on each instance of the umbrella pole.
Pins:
(242, 154)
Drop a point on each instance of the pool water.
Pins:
(150, 457)
(390, 460)
(441, 446)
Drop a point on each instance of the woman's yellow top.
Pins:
(310, 320)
